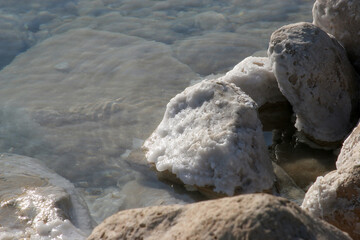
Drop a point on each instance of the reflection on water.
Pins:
(91, 79)
(302, 163)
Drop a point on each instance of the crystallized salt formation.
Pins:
(316, 77)
(335, 198)
(255, 77)
(341, 18)
(211, 136)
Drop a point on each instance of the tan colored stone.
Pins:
(316, 77)
(350, 152)
(253, 216)
(335, 198)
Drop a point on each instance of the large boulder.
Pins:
(253, 216)
(316, 77)
(335, 198)
(36, 203)
(211, 136)
(341, 19)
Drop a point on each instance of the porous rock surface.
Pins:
(350, 152)
(335, 198)
(316, 77)
(341, 18)
(250, 216)
(211, 136)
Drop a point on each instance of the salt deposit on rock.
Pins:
(341, 19)
(253, 216)
(316, 77)
(350, 152)
(36, 203)
(335, 198)
(255, 77)
(211, 136)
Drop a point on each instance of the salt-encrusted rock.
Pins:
(341, 19)
(335, 198)
(316, 77)
(255, 77)
(36, 203)
(211, 136)
(253, 216)
(350, 152)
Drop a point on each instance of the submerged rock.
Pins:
(335, 198)
(37, 203)
(253, 216)
(255, 77)
(341, 19)
(316, 77)
(211, 136)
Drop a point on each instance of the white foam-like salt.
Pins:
(211, 136)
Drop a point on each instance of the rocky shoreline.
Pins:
(209, 139)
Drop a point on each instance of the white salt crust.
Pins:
(341, 18)
(255, 77)
(211, 136)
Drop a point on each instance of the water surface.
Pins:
(84, 83)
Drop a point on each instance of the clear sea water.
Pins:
(84, 82)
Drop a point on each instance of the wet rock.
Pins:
(286, 186)
(211, 136)
(253, 216)
(341, 19)
(335, 198)
(350, 152)
(255, 77)
(37, 203)
(316, 77)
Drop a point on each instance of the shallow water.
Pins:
(84, 82)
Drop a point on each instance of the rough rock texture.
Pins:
(341, 19)
(36, 203)
(254, 216)
(335, 198)
(255, 77)
(316, 77)
(350, 152)
(211, 136)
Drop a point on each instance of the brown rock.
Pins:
(253, 216)
(335, 198)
